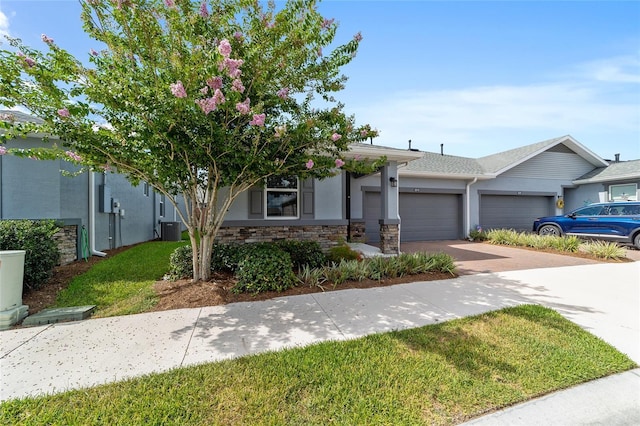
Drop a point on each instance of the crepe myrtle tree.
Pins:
(203, 100)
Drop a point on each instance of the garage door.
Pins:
(424, 217)
(513, 211)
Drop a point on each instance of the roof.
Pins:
(364, 150)
(503, 161)
(615, 171)
(448, 166)
(438, 165)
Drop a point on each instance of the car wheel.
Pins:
(636, 241)
(549, 230)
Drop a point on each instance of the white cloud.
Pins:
(4, 25)
(619, 69)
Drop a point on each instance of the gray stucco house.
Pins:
(415, 196)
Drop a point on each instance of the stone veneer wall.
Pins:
(326, 235)
(67, 238)
(389, 239)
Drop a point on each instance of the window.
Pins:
(162, 205)
(281, 197)
(145, 189)
(626, 192)
(589, 211)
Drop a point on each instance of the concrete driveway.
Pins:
(475, 258)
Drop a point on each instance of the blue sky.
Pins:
(479, 77)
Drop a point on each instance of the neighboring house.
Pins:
(113, 212)
(415, 196)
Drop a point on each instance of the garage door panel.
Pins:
(423, 216)
(513, 211)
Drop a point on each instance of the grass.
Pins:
(122, 284)
(438, 374)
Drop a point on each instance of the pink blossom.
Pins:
(178, 89)
(224, 47)
(309, 164)
(243, 107)
(258, 120)
(218, 97)
(207, 105)
(270, 25)
(358, 37)
(64, 113)
(46, 39)
(203, 10)
(169, 3)
(73, 156)
(326, 23)
(232, 66)
(238, 35)
(30, 62)
(3, 150)
(204, 90)
(283, 93)
(215, 83)
(237, 86)
(339, 163)
(106, 167)
(93, 52)
(364, 133)
(335, 137)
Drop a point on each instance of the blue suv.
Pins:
(616, 221)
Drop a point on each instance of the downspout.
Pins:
(348, 204)
(468, 202)
(92, 217)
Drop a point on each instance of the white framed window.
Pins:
(145, 189)
(282, 200)
(624, 192)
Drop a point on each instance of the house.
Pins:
(444, 197)
(415, 196)
(103, 207)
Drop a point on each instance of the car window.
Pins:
(630, 210)
(588, 211)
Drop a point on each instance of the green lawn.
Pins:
(122, 284)
(439, 374)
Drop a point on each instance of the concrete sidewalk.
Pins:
(602, 298)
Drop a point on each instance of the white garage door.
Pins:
(424, 217)
(513, 211)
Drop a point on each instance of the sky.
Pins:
(478, 77)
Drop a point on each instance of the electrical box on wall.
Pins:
(104, 202)
(115, 205)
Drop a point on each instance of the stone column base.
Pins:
(389, 238)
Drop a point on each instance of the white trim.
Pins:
(266, 191)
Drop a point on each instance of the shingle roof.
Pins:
(445, 164)
(615, 171)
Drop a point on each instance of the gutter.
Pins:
(468, 203)
(92, 217)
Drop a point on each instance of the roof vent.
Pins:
(617, 158)
(441, 149)
(412, 149)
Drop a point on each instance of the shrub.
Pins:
(36, 238)
(342, 252)
(477, 235)
(303, 253)
(264, 267)
(181, 263)
(604, 250)
(224, 257)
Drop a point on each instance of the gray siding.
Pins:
(551, 165)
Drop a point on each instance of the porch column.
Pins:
(389, 215)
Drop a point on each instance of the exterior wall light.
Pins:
(393, 181)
